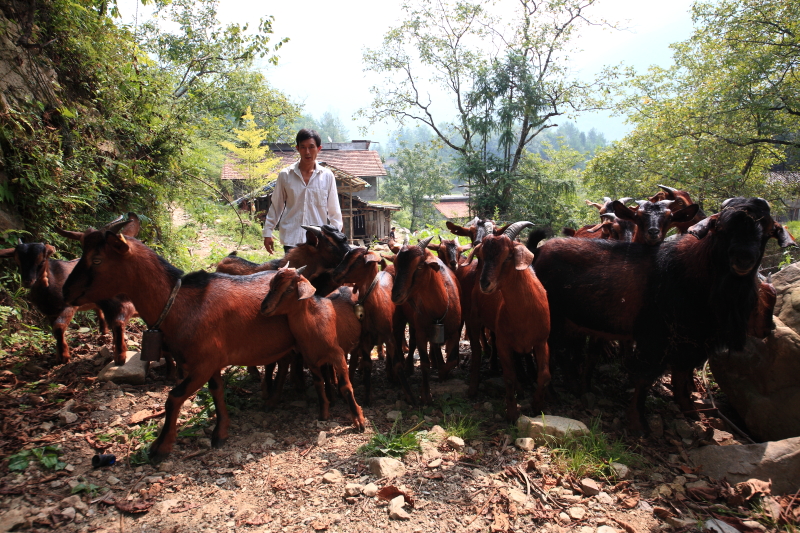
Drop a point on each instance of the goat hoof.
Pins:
(156, 456)
(218, 442)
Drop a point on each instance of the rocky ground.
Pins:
(285, 471)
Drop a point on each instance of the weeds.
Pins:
(465, 427)
(89, 488)
(591, 455)
(392, 444)
(46, 456)
(144, 435)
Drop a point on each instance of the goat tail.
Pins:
(534, 238)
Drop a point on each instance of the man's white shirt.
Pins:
(294, 203)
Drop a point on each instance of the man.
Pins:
(305, 194)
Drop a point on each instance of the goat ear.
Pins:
(305, 290)
(686, 214)
(8, 252)
(522, 257)
(390, 257)
(464, 248)
(433, 247)
(595, 228)
(623, 211)
(475, 250)
(702, 228)
(74, 235)
(593, 204)
(311, 238)
(131, 229)
(782, 234)
(371, 258)
(48, 251)
(458, 230)
(432, 262)
(500, 231)
(117, 243)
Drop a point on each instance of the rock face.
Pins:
(778, 461)
(132, 372)
(386, 467)
(555, 427)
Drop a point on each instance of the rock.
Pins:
(576, 513)
(370, 490)
(488, 407)
(333, 476)
(112, 480)
(621, 470)
(353, 489)
(391, 416)
(478, 473)
(778, 461)
(69, 514)
(435, 463)
(12, 519)
(590, 487)
(133, 372)
(699, 484)
(396, 511)
(607, 529)
(678, 523)
(657, 477)
(555, 428)
(457, 443)
(437, 433)
(526, 444)
(563, 517)
(662, 490)
(67, 417)
(684, 428)
(322, 438)
(429, 451)
(752, 524)
(604, 498)
(656, 425)
(204, 442)
(517, 497)
(723, 438)
(74, 501)
(762, 382)
(718, 526)
(386, 467)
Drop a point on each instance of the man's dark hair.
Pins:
(306, 134)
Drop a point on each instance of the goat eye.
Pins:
(96, 261)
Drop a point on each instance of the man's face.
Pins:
(308, 150)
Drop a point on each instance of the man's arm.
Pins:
(276, 209)
(334, 210)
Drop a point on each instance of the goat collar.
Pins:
(378, 276)
(168, 306)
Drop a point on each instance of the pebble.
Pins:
(564, 517)
(718, 526)
(590, 487)
(435, 463)
(604, 498)
(576, 513)
(487, 406)
(322, 438)
(457, 443)
(112, 480)
(333, 476)
(353, 489)
(391, 416)
(607, 529)
(370, 490)
(221, 481)
(204, 442)
(396, 511)
(621, 470)
(69, 513)
(526, 444)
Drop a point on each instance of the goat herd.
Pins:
(669, 304)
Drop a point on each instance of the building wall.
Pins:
(371, 192)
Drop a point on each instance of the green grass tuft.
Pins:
(392, 444)
(591, 455)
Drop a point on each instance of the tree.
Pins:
(504, 80)
(253, 160)
(417, 181)
(329, 126)
(726, 112)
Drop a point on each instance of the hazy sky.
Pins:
(321, 66)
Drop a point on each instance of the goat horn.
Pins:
(116, 226)
(513, 230)
(607, 200)
(440, 239)
(301, 269)
(424, 243)
(19, 241)
(610, 216)
(115, 221)
(668, 189)
(625, 200)
(287, 264)
(313, 229)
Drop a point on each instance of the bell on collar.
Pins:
(358, 309)
(437, 334)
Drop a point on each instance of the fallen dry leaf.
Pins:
(754, 487)
(185, 507)
(662, 513)
(500, 522)
(320, 525)
(391, 492)
(629, 499)
(134, 506)
(706, 494)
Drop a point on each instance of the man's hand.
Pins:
(268, 244)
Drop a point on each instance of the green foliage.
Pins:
(140, 437)
(591, 455)
(46, 456)
(464, 427)
(392, 444)
(416, 181)
(328, 126)
(252, 160)
(89, 488)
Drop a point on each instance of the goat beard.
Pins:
(734, 298)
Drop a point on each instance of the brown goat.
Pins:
(45, 277)
(325, 329)
(374, 287)
(424, 283)
(215, 321)
(678, 200)
(522, 320)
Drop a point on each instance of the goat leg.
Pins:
(542, 353)
(102, 324)
(277, 387)
(59, 325)
(346, 390)
(506, 356)
(254, 372)
(330, 383)
(489, 346)
(216, 386)
(298, 378)
(425, 367)
(682, 384)
(412, 347)
(322, 399)
(474, 335)
(637, 425)
(451, 348)
(114, 312)
(175, 399)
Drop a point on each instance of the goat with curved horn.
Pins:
(425, 242)
(513, 230)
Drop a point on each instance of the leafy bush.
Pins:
(46, 456)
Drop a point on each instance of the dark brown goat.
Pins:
(325, 329)
(522, 321)
(449, 251)
(45, 277)
(680, 301)
(654, 220)
(431, 290)
(374, 288)
(678, 200)
(215, 322)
